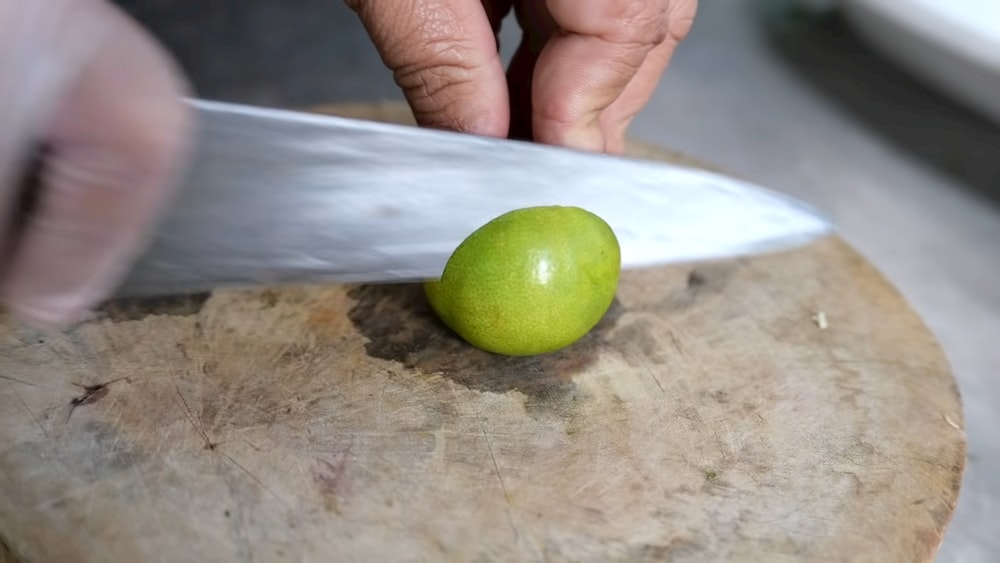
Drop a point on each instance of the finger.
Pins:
(585, 68)
(616, 118)
(443, 55)
(117, 144)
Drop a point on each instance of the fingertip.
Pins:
(474, 119)
(489, 125)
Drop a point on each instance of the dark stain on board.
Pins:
(400, 326)
(702, 282)
(136, 309)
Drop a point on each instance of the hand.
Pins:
(81, 80)
(582, 72)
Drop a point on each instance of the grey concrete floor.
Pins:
(798, 104)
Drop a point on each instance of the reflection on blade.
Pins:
(277, 196)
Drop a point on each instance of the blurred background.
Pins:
(878, 112)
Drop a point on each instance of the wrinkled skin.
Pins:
(83, 81)
(582, 72)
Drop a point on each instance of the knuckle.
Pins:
(557, 126)
(147, 155)
(159, 150)
(141, 151)
(556, 114)
(154, 135)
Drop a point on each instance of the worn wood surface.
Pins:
(709, 417)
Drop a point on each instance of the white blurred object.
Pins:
(954, 45)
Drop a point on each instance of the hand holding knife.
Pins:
(264, 196)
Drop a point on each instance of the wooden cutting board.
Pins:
(712, 416)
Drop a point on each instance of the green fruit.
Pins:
(530, 281)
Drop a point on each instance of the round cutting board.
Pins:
(789, 406)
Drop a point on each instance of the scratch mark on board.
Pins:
(16, 380)
(209, 444)
(675, 342)
(213, 446)
(655, 379)
(31, 414)
(238, 524)
(238, 514)
(503, 485)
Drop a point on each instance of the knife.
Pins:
(277, 196)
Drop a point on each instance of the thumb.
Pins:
(443, 56)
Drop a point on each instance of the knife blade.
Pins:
(278, 196)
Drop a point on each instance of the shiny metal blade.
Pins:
(278, 197)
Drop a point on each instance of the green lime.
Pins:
(530, 281)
